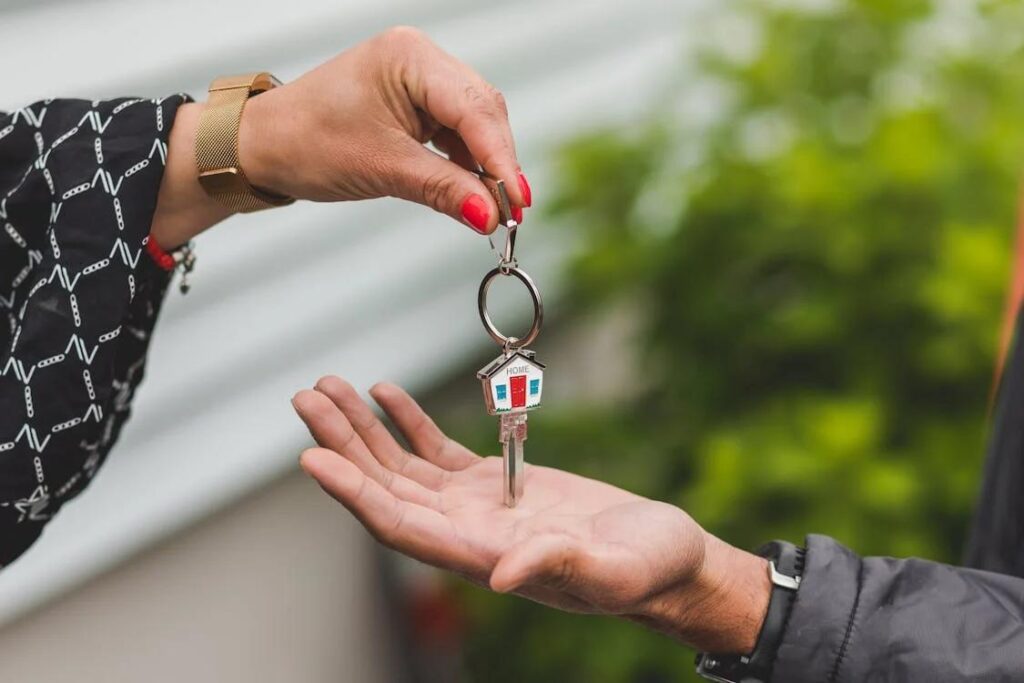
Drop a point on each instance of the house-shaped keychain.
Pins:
(513, 383)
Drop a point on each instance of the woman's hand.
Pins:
(572, 543)
(355, 128)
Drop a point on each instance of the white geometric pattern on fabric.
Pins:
(78, 187)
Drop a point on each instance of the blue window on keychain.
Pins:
(501, 391)
(534, 387)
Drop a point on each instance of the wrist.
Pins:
(262, 141)
(183, 209)
(722, 608)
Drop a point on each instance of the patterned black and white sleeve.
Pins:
(79, 295)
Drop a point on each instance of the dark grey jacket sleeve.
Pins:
(882, 619)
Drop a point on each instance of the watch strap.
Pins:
(785, 566)
(216, 145)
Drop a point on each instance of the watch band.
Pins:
(216, 147)
(785, 568)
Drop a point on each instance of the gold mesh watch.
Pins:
(220, 172)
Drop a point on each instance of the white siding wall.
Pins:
(372, 291)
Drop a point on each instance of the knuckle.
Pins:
(403, 36)
(499, 101)
(491, 100)
(396, 47)
(347, 436)
(365, 423)
(437, 188)
(479, 99)
(373, 424)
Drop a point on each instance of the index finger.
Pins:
(420, 532)
(426, 439)
(460, 99)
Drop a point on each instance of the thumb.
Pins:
(554, 561)
(430, 179)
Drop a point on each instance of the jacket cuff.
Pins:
(821, 622)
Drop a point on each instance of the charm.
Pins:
(512, 382)
(512, 385)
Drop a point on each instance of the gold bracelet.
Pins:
(220, 172)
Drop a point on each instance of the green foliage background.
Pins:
(821, 273)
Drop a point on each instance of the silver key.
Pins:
(512, 384)
(511, 435)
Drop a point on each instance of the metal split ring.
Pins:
(510, 343)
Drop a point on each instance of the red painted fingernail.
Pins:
(517, 214)
(476, 212)
(524, 187)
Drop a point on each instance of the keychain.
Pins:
(512, 382)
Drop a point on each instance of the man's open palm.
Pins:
(572, 542)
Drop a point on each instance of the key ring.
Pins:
(510, 343)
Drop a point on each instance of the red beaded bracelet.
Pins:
(159, 256)
(183, 256)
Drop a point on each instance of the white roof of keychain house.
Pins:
(497, 364)
(368, 290)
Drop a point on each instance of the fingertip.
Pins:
(479, 213)
(340, 392)
(509, 175)
(385, 391)
(524, 189)
(329, 384)
(305, 400)
(308, 461)
(502, 586)
(516, 196)
(500, 582)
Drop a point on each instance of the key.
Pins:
(513, 381)
(511, 435)
(512, 384)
